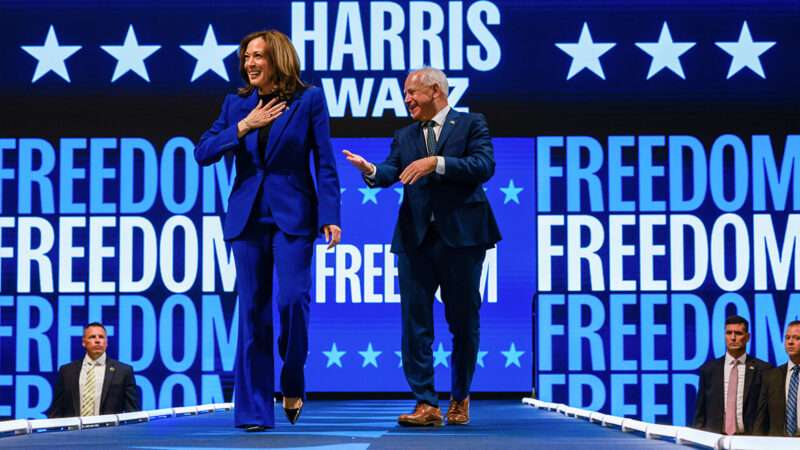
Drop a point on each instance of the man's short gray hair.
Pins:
(430, 76)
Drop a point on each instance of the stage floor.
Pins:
(354, 425)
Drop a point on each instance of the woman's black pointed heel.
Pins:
(293, 414)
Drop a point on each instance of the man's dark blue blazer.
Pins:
(288, 184)
(456, 199)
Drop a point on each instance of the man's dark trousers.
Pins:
(458, 271)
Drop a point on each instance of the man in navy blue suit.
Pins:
(444, 228)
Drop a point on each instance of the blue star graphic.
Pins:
(210, 55)
(512, 192)
(512, 356)
(399, 355)
(369, 194)
(400, 192)
(130, 56)
(745, 52)
(665, 53)
(481, 355)
(440, 356)
(334, 356)
(51, 56)
(370, 356)
(585, 53)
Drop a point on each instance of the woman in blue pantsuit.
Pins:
(273, 126)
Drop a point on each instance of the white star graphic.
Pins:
(440, 356)
(665, 53)
(334, 356)
(745, 52)
(481, 354)
(585, 53)
(51, 56)
(399, 355)
(370, 356)
(210, 55)
(512, 192)
(130, 56)
(369, 195)
(512, 355)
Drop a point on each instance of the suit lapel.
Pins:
(74, 385)
(749, 372)
(420, 148)
(720, 377)
(782, 393)
(251, 139)
(278, 127)
(448, 125)
(111, 369)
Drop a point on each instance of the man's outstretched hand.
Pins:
(359, 162)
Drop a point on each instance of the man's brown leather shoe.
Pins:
(458, 412)
(424, 415)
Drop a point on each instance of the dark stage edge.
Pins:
(355, 425)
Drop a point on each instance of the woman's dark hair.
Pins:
(283, 60)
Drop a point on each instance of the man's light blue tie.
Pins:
(431, 138)
(791, 403)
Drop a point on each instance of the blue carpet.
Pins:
(354, 425)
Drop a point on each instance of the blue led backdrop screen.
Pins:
(646, 186)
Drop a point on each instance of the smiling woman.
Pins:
(272, 126)
(268, 62)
